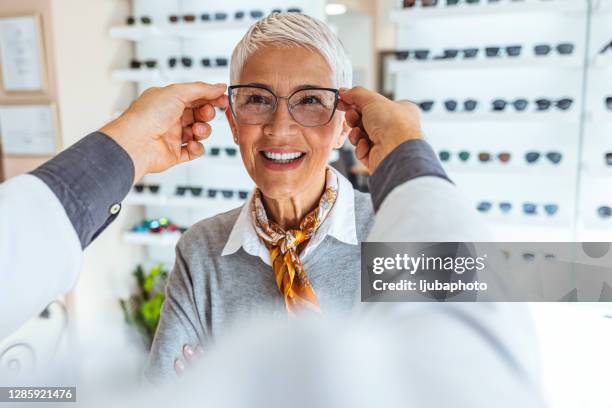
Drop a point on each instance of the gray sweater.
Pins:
(207, 293)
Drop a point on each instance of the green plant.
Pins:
(142, 309)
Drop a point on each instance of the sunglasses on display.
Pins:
(545, 49)
(511, 51)
(604, 211)
(153, 188)
(423, 3)
(499, 105)
(445, 155)
(136, 64)
(195, 191)
(187, 62)
(554, 157)
(469, 105)
(219, 62)
(256, 105)
(545, 104)
(230, 151)
(131, 20)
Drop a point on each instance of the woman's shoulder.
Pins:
(210, 233)
(364, 214)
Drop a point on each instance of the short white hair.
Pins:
(294, 30)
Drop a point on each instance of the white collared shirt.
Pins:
(340, 224)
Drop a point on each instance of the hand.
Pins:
(379, 124)
(190, 356)
(164, 126)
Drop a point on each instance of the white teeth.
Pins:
(282, 157)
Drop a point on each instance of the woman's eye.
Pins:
(256, 100)
(310, 100)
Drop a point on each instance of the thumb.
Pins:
(193, 91)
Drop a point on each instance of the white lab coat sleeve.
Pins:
(40, 252)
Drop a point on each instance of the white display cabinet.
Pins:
(174, 37)
(504, 185)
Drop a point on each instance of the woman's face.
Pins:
(284, 70)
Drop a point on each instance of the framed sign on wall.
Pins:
(29, 130)
(22, 60)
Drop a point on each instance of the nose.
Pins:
(282, 123)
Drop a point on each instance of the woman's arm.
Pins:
(179, 323)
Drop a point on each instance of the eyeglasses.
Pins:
(230, 151)
(187, 62)
(545, 104)
(445, 155)
(195, 191)
(554, 157)
(135, 64)
(469, 105)
(153, 188)
(545, 49)
(143, 19)
(500, 104)
(256, 105)
(424, 3)
(604, 211)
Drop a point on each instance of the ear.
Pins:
(232, 123)
(343, 134)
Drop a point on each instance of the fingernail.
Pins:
(187, 351)
(179, 366)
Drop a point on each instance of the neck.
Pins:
(289, 212)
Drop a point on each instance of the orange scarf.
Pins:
(289, 273)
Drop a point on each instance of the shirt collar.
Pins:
(340, 224)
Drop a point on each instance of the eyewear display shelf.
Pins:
(181, 41)
(513, 98)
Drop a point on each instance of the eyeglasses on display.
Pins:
(136, 64)
(545, 49)
(256, 105)
(216, 151)
(554, 157)
(131, 20)
(195, 191)
(605, 211)
(140, 188)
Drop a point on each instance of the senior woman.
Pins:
(293, 248)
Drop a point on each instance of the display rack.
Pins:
(485, 78)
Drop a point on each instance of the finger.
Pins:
(355, 134)
(188, 117)
(359, 96)
(204, 113)
(192, 150)
(193, 91)
(201, 131)
(221, 102)
(179, 366)
(353, 118)
(343, 106)
(187, 134)
(189, 354)
(362, 149)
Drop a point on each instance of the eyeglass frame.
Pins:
(276, 98)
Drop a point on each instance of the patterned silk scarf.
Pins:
(291, 278)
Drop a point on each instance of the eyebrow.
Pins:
(297, 88)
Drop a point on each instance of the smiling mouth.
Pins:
(282, 158)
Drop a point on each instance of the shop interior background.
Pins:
(516, 98)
